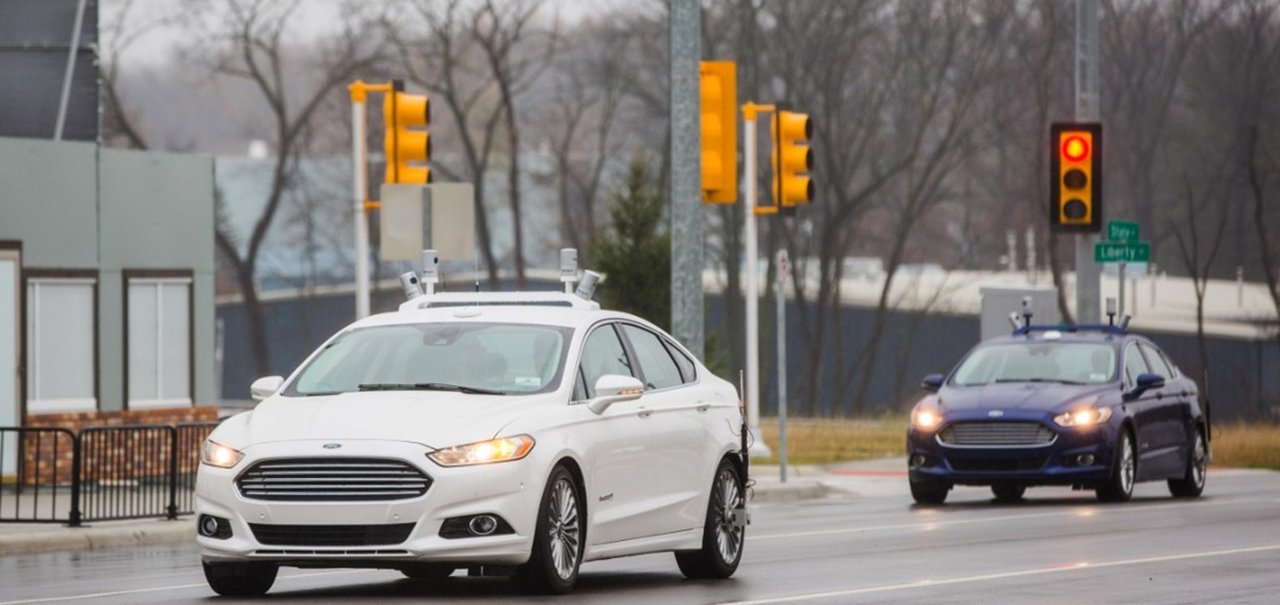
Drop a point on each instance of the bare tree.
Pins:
(119, 34)
(250, 40)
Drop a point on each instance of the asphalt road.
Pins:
(1057, 547)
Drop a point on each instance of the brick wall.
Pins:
(112, 458)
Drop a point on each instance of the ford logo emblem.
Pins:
(992, 414)
(332, 446)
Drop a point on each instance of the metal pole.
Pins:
(1088, 272)
(686, 187)
(360, 189)
(69, 71)
(1122, 267)
(759, 448)
(781, 304)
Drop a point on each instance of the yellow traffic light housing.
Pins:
(792, 159)
(718, 92)
(1075, 199)
(407, 140)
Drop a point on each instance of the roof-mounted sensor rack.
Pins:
(578, 297)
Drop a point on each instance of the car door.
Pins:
(1145, 410)
(1173, 413)
(618, 452)
(675, 433)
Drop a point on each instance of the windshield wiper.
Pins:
(1038, 380)
(427, 386)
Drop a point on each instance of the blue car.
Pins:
(1093, 407)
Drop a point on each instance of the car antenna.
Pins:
(1111, 311)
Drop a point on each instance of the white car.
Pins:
(517, 434)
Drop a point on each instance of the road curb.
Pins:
(793, 491)
(71, 539)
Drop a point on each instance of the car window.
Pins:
(656, 364)
(1134, 366)
(509, 358)
(1174, 372)
(688, 371)
(603, 354)
(1071, 363)
(1156, 362)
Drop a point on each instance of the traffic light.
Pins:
(792, 159)
(406, 117)
(718, 93)
(1075, 200)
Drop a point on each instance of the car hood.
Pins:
(1028, 396)
(435, 419)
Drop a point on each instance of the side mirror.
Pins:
(265, 387)
(615, 388)
(932, 382)
(1145, 383)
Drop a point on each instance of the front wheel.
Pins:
(929, 493)
(1192, 483)
(558, 539)
(1119, 488)
(723, 533)
(240, 579)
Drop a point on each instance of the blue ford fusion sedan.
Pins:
(1092, 407)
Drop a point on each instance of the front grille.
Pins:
(332, 479)
(331, 535)
(989, 466)
(996, 434)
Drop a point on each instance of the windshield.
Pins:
(506, 359)
(1068, 363)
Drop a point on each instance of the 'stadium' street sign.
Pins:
(1117, 252)
(1122, 231)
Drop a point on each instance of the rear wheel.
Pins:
(723, 533)
(1119, 488)
(1192, 483)
(1008, 492)
(558, 539)
(929, 492)
(240, 579)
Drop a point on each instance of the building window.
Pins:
(61, 344)
(158, 341)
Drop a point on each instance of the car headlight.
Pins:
(1080, 417)
(504, 449)
(221, 456)
(926, 418)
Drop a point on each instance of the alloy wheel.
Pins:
(728, 534)
(563, 528)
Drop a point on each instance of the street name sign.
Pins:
(1116, 252)
(1122, 231)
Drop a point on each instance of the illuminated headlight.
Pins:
(216, 454)
(1083, 417)
(926, 418)
(484, 452)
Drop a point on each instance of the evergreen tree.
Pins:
(635, 254)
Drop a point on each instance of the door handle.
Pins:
(645, 412)
(702, 407)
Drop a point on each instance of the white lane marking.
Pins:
(1091, 511)
(1006, 575)
(116, 593)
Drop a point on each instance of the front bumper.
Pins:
(511, 490)
(1056, 463)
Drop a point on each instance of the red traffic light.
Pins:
(1075, 148)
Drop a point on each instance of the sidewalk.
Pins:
(806, 482)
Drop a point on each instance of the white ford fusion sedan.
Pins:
(512, 434)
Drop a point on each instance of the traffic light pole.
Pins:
(749, 112)
(360, 187)
(1088, 272)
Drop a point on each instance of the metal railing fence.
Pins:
(104, 473)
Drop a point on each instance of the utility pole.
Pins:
(750, 111)
(686, 188)
(1088, 272)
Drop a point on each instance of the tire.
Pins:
(240, 579)
(1192, 482)
(558, 540)
(1008, 492)
(722, 538)
(929, 492)
(1119, 487)
(428, 572)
